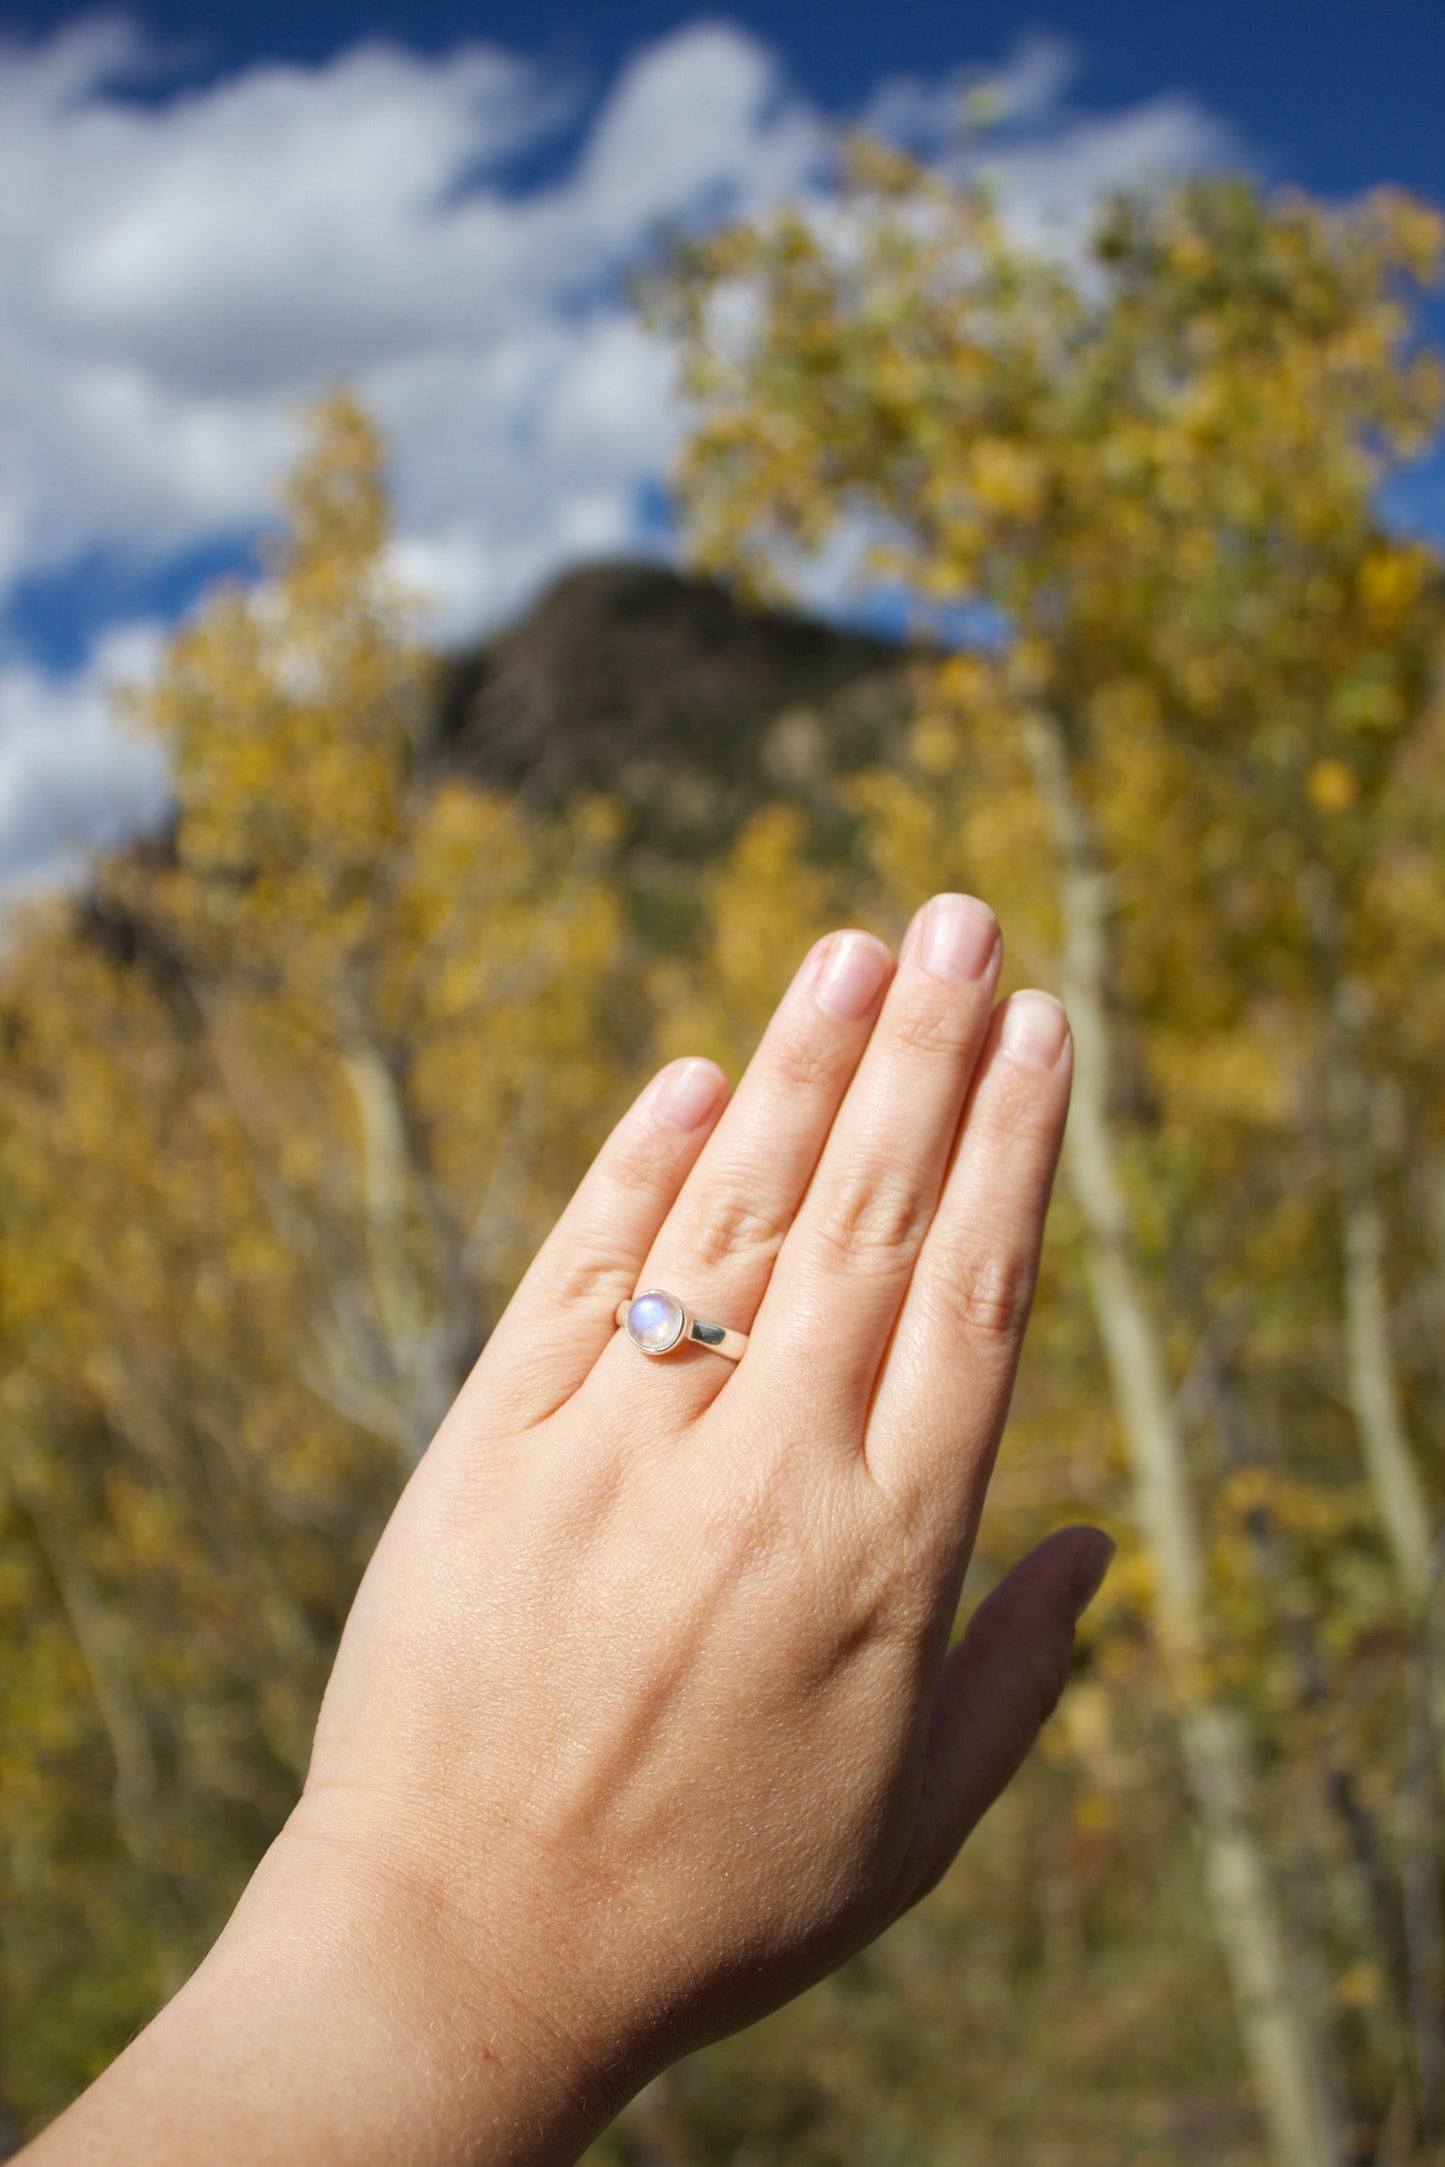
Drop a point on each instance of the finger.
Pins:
(846, 1263)
(999, 1686)
(561, 1316)
(716, 1249)
(942, 1397)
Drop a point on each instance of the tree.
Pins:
(1143, 495)
(288, 1097)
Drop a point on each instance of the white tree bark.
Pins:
(419, 1343)
(1390, 1459)
(1393, 1468)
(136, 1789)
(1276, 2028)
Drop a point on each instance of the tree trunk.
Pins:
(1418, 1835)
(135, 1792)
(1278, 2035)
(1390, 1459)
(422, 1345)
(1393, 1468)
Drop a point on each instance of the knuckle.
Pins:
(1015, 1113)
(931, 1027)
(629, 1162)
(1047, 1666)
(1037, 1666)
(728, 1223)
(638, 1160)
(987, 1293)
(741, 1533)
(802, 1063)
(588, 1279)
(871, 1220)
(889, 1595)
(922, 1540)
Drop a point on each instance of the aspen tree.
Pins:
(1117, 474)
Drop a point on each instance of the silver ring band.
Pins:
(657, 1322)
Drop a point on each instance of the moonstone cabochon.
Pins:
(655, 1321)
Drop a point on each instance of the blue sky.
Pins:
(204, 216)
(1336, 93)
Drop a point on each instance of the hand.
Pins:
(644, 1717)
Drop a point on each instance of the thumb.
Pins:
(999, 1686)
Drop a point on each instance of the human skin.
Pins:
(645, 1716)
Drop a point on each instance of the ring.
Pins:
(658, 1322)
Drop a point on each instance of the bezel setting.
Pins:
(648, 1314)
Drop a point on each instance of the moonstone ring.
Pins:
(658, 1322)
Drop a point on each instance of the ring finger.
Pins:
(716, 1249)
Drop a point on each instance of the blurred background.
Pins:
(513, 522)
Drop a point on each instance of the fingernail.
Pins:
(1091, 1565)
(688, 1092)
(852, 976)
(1034, 1029)
(960, 935)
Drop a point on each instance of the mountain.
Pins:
(661, 691)
(667, 693)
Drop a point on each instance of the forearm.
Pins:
(330, 2024)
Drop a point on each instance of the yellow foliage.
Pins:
(1332, 786)
(288, 1099)
(1149, 495)
(765, 904)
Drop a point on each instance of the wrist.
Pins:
(347, 2016)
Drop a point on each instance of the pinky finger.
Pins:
(563, 1313)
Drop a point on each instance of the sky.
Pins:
(206, 217)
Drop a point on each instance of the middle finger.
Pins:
(845, 1265)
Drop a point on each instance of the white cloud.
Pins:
(69, 779)
(933, 115)
(178, 273)
(1049, 161)
(1051, 187)
(701, 121)
(182, 270)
